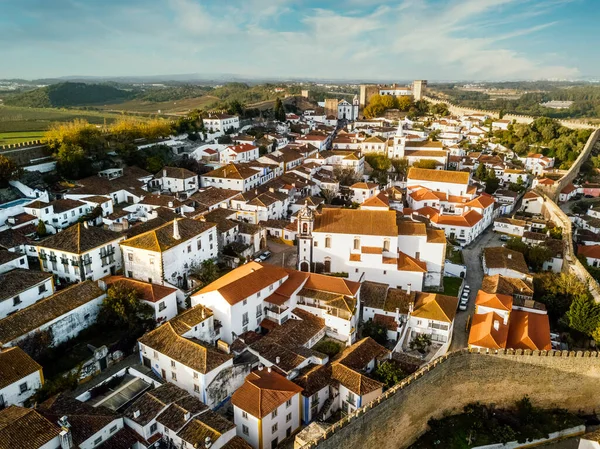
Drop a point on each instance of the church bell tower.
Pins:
(306, 221)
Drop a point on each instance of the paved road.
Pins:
(472, 257)
(282, 254)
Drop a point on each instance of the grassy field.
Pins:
(20, 136)
(165, 107)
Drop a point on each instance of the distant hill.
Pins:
(69, 94)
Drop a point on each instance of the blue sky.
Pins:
(350, 39)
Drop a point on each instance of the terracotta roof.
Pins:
(371, 250)
(174, 416)
(263, 391)
(152, 402)
(14, 365)
(482, 201)
(483, 332)
(232, 171)
(436, 236)
(332, 284)
(506, 285)
(379, 200)
(190, 318)
(530, 195)
(501, 257)
(313, 378)
(212, 196)
(364, 185)
(470, 219)
(78, 239)
(245, 281)
(149, 292)
(66, 205)
(25, 428)
(423, 174)
(409, 227)
(161, 239)
(494, 300)
(436, 307)
(408, 263)
(528, 331)
(31, 318)
(9, 256)
(591, 251)
(205, 425)
(568, 188)
(357, 222)
(242, 148)
(424, 194)
(424, 144)
(387, 321)
(190, 353)
(353, 380)
(360, 354)
(19, 280)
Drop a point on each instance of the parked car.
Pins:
(504, 238)
(463, 305)
(264, 256)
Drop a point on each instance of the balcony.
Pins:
(74, 263)
(52, 258)
(64, 261)
(43, 256)
(87, 261)
(107, 252)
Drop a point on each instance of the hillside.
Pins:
(68, 94)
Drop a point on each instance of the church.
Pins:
(347, 111)
(372, 243)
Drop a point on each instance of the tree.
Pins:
(421, 343)
(376, 331)
(400, 166)
(433, 135)
(122, 307)
(328, 195)
(537, 255)
(345, 176)
(278, 110)
(389, 373)
(207, 272)
(71, 161)
(584, 315)
(429, 164)
(404, 103)
(481, 172)
(492, 182)
(8, 171)
(41, 229)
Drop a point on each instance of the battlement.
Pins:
(565, 379)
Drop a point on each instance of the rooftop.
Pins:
(423, 174)
(14, 365)
(78, 239)
(18, 280)
(500, 257)
(25, 428)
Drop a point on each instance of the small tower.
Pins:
(399, 141)
(306, 221)
(355, 107)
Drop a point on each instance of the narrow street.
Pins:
(472, 255)
(283, 255)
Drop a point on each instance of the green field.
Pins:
(178, 107)
(20, 136)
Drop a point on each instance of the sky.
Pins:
(326, 39)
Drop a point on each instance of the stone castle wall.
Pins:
(446, 385)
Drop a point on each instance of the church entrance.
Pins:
(304, 266)
(327, 266)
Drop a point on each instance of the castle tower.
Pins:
(418, 89)
(306, 221)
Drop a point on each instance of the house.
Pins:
(520, 289)
(176, 180)
(374, 244)
(16, 424)
(171, 414)
(501, 124)
(266, 408)
(511, 226)
(362, 191)
(221, 123)
(433, 315)
(81, 252)
(590, 440)
(162, 298)
(21, 288)
(567, 193)
(538, 163)
(62, 315)
(243, 152)
(10, 260)
(533, 203)
(253, 292)
(591, 254)
(386, 306)
(59, 214)
(254, 207)
(232, 176)
(504, 261)
(20, 377)
(187, 363)
(170, 252)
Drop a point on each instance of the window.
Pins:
(199, 243)
(245, 429)
(23, 387)
(327, 242)
(173, 363)
(16, 300)
(258, 311)
(356, 243)
(288, 417)
(22, 261)
(113, 429)
(210, 237)
(244, 415)
(161, 306)
(274, 428)
(130, 257)
(245, 319)
(418, 255)
(196, 388)
(288, 404)
(97, 441)
(258, 295)
(151, 260)
(195, 375)
(274, 414)
(153, 428)
(150, 280)
(173, 376)
(155, 354)
(245, 302)
(271, 287)
(189, 248)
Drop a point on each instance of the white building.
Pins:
(347, 111)
(20, 377)
(170, 252)
(221, 123)
(81, 252)
(244, 152)
(176, 180)
(266, 408)
(433, 315)
(234, 177)
(533, 203)
(59, 214)
(509, 263)
(362, 191)
(21, 288)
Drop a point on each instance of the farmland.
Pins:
(172, 107)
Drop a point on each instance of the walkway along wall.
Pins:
(397, 418)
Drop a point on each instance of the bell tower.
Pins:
(399, 141)
(306, 221)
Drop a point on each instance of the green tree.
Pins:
(278, 110)
(429, 164)
(41, 229)
(404, 103)
(376, 331)
(492, 182)
(400, 166)
(8, 171)
(481, 173)
(584, 314)
(122, 307)
(389, 373)
(71, 161)
(420, 343)
(207, 272)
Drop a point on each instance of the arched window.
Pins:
(356, 243)
(327, 242)
(386, 245)
(304, 228)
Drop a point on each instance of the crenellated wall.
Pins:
(396, 419)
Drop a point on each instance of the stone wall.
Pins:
(399, 417)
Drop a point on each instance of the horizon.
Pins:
(380, 40)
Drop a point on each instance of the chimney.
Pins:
(102, 285)
(187, 415)
(509, 256)
(408, 289)
(277, 360)
(170, 203)
(506, 319)
(176, 234)
(260, 367)
(269, 369)
(164, 172)
(66, 438)
(85, 224)
(136, 414)
(207, 442)
(496, 325)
